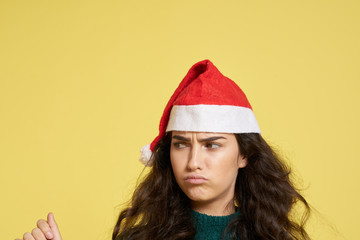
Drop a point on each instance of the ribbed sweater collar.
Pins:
(210, 227)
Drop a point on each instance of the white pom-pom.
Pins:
(145, 155)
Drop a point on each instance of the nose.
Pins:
(195, 160)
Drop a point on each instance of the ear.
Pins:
(242, 161)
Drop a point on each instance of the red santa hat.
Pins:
(205, 101)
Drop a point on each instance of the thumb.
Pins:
(53, 226)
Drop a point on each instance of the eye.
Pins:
(179, 145)
(212, 145)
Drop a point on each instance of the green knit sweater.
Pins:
(211, 227)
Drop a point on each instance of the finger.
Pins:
(53, 226)
(45, 228)
(28, 236)
(38, 234)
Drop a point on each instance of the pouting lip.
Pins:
(195, 176)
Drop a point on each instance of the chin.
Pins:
(197, 193)
(197, 196)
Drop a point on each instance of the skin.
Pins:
(213, 159)
(46, 229)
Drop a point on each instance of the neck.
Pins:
(214, 209)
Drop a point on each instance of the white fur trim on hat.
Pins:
(212, 118)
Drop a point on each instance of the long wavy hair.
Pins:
(264, 197)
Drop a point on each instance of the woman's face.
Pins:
(205, 166)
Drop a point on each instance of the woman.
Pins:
(213, 176)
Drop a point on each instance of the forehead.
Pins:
(200, 134)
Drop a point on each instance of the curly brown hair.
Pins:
(264, 197)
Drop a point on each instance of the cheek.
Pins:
(178, 172)
(176, 165)
(224, 160)
(227, 168)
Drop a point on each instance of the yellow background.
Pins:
(83, 85)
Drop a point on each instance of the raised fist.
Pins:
(45, 230)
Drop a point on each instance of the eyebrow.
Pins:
(210, 139)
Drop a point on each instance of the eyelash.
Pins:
(212, 145)
(207, 145)
(177, 145)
